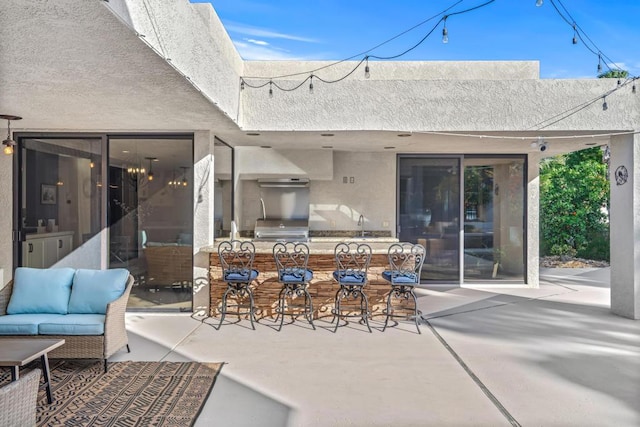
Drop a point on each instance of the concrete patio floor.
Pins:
(553, 356)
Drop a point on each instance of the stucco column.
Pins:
(6, 220)
(625, 225)
(533, 220)
(203, 217)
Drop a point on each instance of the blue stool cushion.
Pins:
(407, 278)
(296, 275)
(241, 276)
(349, 277)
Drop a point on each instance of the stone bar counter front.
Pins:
(322, 288)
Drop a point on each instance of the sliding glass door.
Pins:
(150, 218)
(468, 213)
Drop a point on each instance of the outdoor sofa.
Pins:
(84, 307)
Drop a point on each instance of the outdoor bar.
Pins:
(322, 288)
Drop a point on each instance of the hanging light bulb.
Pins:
(150, 174)
(241, 84)
(184, 182)
(539, 3)
(270, 90)
(599, 63)
(633, 88)
(9, 143)
(575, 35)
(605, 107)
(91, 163)
(311, 84)
(367, 74)
(445, 33)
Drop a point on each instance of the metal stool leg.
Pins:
(309, 307)
(365, 310)
(337, 312)
(417, 317)
(283, 304)
(386, 320)
(251, 306)
(223, 306)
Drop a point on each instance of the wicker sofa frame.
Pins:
(85, 346)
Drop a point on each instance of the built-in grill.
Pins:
(290, 230)
(285, 210)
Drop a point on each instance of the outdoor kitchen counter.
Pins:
(322, 288)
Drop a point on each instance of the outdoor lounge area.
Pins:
(362, 252)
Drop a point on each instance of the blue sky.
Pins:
(503, 30)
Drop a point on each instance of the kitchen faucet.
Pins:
(361, 224)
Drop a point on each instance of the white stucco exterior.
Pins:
(153, 66)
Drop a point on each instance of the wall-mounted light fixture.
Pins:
(9, 143)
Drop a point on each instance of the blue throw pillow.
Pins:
(37, 290)
(93, 289)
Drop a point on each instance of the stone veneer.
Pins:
(322, 288)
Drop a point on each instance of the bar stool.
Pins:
(291, 261)
(352, 262)
(236, 259)
(405, 262)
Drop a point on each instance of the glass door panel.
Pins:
(59, 202)
(493, 219)
(150, 217)
(429, 213)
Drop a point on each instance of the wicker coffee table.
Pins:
(18, 352)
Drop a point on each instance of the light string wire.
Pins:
(302, 73)
(524, 138)
(580, 33)
(310, 73)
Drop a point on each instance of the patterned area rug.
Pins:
(129, 394)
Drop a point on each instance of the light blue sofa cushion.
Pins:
(93, 289)
(73, 324)
(24, 324)
(39, 291)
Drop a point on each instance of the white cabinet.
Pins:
(45, 249)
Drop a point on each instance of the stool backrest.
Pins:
(353, 258)
(236, 256)
(406, 259)
(291, 259)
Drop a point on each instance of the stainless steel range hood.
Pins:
(285, 210)
(284, 183)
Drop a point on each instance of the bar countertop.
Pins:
(319, 245)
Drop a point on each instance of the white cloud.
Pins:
(265, 33)
(258, 42)
(255, 52)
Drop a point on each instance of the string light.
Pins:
(575, 35)
(311, 84)
(605, 107)
(599, 63)
(270, 89)
(445, 33)
(367, 74)
(241, 84)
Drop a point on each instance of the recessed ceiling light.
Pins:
(327, 146)
(125, 151)
(253, 134)
(265, 146)
(327, 134)
(404, 135)
(155, 159)
(389, 148)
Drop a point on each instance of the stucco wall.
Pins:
(6, 201)
(438, 105)
(193, 39)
